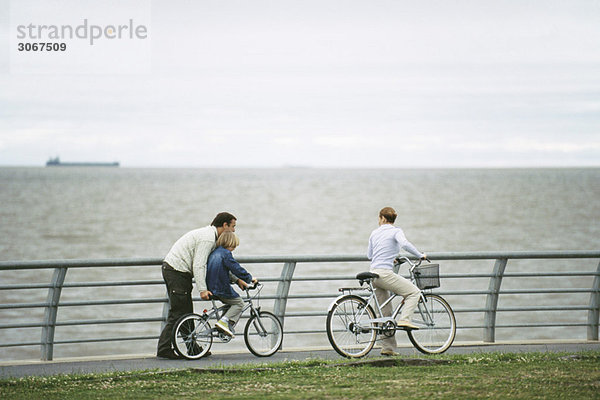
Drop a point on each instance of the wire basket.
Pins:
(427, 276)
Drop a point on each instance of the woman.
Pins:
(384, 245)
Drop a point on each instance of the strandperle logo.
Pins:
(90, 32)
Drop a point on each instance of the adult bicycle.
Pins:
(356, 322)
(193, 334)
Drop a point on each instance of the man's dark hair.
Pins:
(223, 218)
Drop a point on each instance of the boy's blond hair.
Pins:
(228, 240)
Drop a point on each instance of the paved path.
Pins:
(149, 362)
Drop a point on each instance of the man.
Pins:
(186, 259)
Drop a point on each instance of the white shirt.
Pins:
(384, 245)
(190, 253)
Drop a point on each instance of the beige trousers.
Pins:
(236, 305)
(389, 281)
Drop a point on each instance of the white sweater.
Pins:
(385, 244)
(190, 253)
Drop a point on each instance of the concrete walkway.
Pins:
(19, 369)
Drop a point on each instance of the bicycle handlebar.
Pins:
(254, 286)
(402, 259)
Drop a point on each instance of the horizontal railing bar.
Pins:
(20, 344)
(113, 339)
(545, 308)
(22, 305)
(549, 274)
(466, 275)
(26, 286)
(299, 314)
(542, 325)
(82, 322)
(298, 279)
(109, 302)
(124, 283)
(83, 263)
(545, 291)
(107, 321)
(143, 262)
(321, 295)
(22, 325)
(157, 282)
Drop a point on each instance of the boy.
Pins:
(221, 265)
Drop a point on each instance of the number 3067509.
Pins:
(42, 46)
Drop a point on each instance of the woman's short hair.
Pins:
(389, 214)
(228, 240)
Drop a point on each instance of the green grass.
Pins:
(519, 376)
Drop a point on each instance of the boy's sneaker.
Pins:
(224, 327)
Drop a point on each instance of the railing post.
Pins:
(283, 289)
(594, 312)
(491, 305)
(58, 278)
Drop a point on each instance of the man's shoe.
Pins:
(403, 324)
(224, 327)
(171, 355)
(389, 353)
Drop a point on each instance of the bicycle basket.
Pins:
(427, 276)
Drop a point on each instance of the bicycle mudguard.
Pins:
(335, 301)
(341, 297)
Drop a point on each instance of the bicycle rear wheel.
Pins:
(437, 325)
(348, 329)
(192, 336)
(263, 334)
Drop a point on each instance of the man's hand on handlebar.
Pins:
(205, 294)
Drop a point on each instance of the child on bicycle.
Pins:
(222, 270)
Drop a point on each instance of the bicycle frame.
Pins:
(381, 319)
(356, 321)
(193, 335)
(218, 311)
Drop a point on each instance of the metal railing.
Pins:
(282, 296)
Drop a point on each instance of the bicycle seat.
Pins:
(366, 276)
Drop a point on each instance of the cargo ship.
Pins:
(55, 162)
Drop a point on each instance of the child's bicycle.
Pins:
(193, 335)
(353, 326)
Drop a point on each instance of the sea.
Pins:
(104, 213)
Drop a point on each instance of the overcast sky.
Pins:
(313, 83)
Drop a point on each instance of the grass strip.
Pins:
(495, 375)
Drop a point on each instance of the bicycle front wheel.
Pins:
(263, 334)
(437, 325)
(348, 329)
(192, 336)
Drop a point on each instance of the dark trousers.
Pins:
(179, 289)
